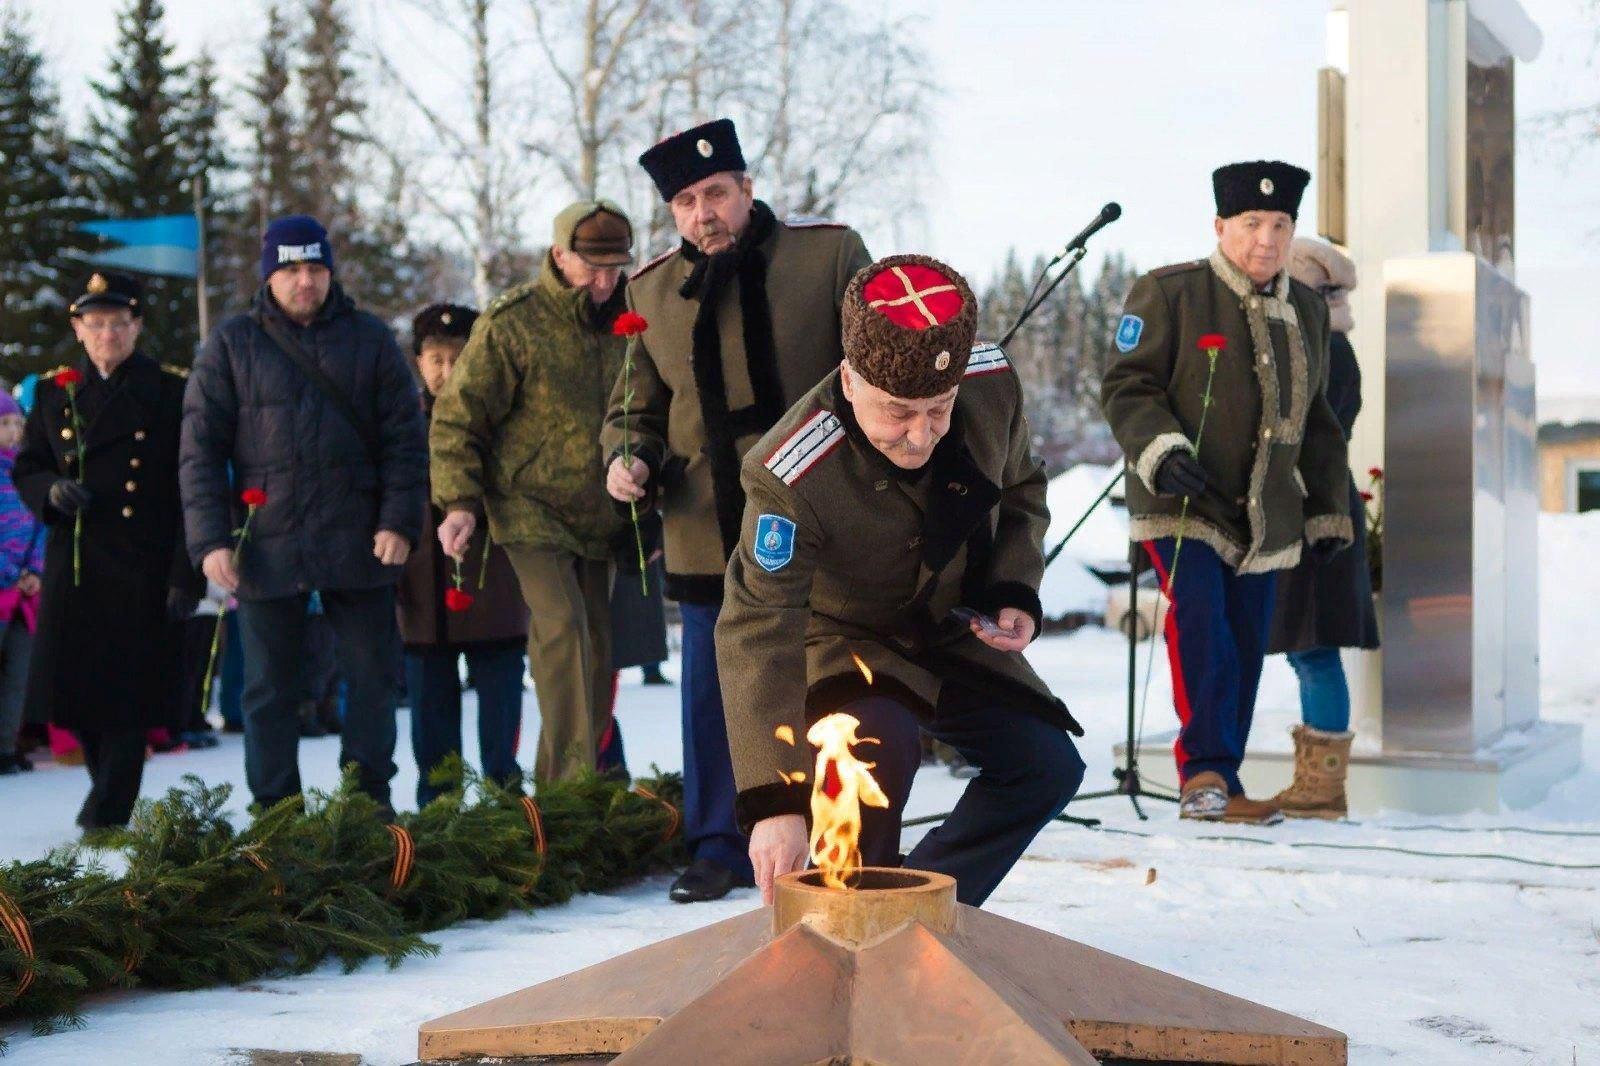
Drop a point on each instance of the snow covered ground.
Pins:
(1488, 954)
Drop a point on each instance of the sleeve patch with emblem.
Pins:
(1129, 330)
(774, 546)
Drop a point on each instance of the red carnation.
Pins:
(1211, 342)
(628, 323)
(457, 600)
(1367, 497)
(253, 497)
(67, 378)
(1376, 473)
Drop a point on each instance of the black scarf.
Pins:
(708, 279)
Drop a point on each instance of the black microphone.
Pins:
(1108, 214)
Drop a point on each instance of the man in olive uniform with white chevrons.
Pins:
(895, 518)
(1219, 513)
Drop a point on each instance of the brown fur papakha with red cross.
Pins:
(907, 325)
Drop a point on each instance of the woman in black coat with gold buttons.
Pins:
(105, 660)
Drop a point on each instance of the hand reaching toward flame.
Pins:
(777, 846)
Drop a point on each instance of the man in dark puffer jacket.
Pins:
(342, 462)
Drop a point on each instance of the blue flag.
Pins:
(167, 244)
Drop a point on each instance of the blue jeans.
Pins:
(1324, 693)
(434, 688)
(709, 826)
(367, 640)
(1027, 772)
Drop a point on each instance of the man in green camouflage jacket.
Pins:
(516, 437)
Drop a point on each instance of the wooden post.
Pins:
(1330, 155)
(199, 184)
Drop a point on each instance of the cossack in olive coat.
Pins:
(733, 340)
(105, 655)
(1272, 450)
(843, 555)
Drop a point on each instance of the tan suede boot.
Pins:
(1321, 764)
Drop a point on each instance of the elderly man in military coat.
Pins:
(743, 318)
(893, 521)
(1220, 514)
(117, 582)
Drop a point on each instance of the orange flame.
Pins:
(866, 671)
(843, 783)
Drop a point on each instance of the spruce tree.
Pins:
(229, 241)
(272, 163)
(41, 251)
(333, 170)
(137, 162)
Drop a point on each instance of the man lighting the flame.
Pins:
(893, 521)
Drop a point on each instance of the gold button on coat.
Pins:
(66, 434)
(138, 434)
(127, 512)
(130, 486)
(135, 462)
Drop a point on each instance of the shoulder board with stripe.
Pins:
(806, 446)
(986, 359)
(652, 264)
(812, 222)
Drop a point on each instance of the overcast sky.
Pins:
(1049, 108)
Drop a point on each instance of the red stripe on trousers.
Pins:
(1180, 690)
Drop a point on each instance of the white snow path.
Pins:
(1420, 960)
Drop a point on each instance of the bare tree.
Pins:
(600, 102)
(477, 177)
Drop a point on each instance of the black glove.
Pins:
(69, 497)
(1325, 548)
(181, 604)
(1180, 474)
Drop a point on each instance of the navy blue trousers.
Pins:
(1027, 772)
(434, 688)
(1216, 632)
(709, 826)
(367, 639)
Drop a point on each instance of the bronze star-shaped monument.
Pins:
(891, 973)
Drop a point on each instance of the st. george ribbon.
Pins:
(1074, 251)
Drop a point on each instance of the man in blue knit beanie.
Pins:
(310, 401)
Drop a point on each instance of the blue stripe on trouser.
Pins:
(709, 825)
(1221, 621)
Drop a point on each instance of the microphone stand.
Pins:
(1073, 256)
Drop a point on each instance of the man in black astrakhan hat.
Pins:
(742, 319)
(1235, 336)
(117, 583)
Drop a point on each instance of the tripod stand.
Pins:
(1129, 783)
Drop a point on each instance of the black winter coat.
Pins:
(250, 406)
(1330, 606)
(105, 656)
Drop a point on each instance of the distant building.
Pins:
(1569, 454)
